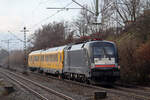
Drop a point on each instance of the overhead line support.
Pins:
(25, 50)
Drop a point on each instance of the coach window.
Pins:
(37, 58)
(60, 58)
(42, 57)
(34, 58)
(46, 58)
(30, 58)
(56, 57)
(52, 58)
(49, 58)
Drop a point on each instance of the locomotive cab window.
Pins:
(105, 50)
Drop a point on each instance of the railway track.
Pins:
(43, 92)
(132, 93)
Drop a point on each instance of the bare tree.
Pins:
(82, 24)
(50, 35)
(3, 55)
(128, 10)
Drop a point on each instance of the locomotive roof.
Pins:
(81, 45)
(101, 41)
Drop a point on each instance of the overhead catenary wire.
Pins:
(47, 18)
(40, 3)
(58, 11)
(83, 7)
(63, 8)
(51, 15)
(15, 36)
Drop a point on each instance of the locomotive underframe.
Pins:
(107, 75)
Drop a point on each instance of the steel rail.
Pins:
(113, 91)
(29, 89)
(119, 92)
(44, 87)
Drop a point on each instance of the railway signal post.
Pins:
(25, 51)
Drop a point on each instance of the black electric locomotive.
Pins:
(95, 61)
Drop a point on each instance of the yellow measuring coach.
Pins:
(49, 61)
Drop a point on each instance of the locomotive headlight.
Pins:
(92, 65)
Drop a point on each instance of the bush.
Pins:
(126, 48)
(143, 62)
(134, 60)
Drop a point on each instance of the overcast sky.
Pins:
(15, 14)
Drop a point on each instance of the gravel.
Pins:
(18, 94)
(75, 91)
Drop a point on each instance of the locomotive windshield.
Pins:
(104, 51)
